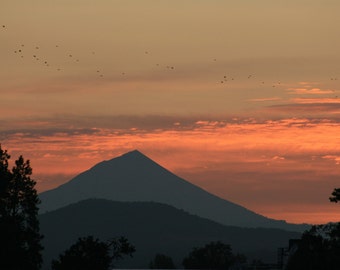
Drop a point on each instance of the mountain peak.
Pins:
(131, 159)
(134, 153)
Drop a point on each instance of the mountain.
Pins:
(135, 177)
(152, 228)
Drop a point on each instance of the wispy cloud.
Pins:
(317, 100)
(333, 157)
(317, 108)
(265, 99)
(310, 91)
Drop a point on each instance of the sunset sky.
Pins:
(239, 97)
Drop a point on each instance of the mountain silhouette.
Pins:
(152, 228)
(135, 177)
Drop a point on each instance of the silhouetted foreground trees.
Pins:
(214, 255)
(162, 261)
(20, 246)
(89, 253)
(319, 248)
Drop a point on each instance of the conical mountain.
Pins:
(135, 177)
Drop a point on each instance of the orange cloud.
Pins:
(333, 157)
(265, 99)
(311, 91)
(254, 163)
(316, 100)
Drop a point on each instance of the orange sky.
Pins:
(240, 98)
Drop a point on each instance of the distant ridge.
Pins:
(152, 228)
(135, 177)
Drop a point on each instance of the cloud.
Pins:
(311, 108)
(265, 99)
(333, 157)
(310, 91)
(334, 101)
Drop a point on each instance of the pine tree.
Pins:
(20, 246)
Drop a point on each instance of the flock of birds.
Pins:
(35, 53)
(226, 78)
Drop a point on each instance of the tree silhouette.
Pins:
(20, 246)
(215, 255)
(162, 261)
(335, 195)
(319, 248)
(89, 253)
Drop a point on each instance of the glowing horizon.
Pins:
(240, 160)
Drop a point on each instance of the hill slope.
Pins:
(152, 228)
(135, 177)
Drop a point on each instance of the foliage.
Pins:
(335, 195)
(319, 248)
(19, 225)
(214, 255)
(89, 253)
(162, 261)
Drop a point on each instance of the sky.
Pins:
(238, 97)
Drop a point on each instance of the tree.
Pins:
(215, 255)
(89, 253)
(19, 225)
(335, 195)
(162, 262)
(319, 248)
